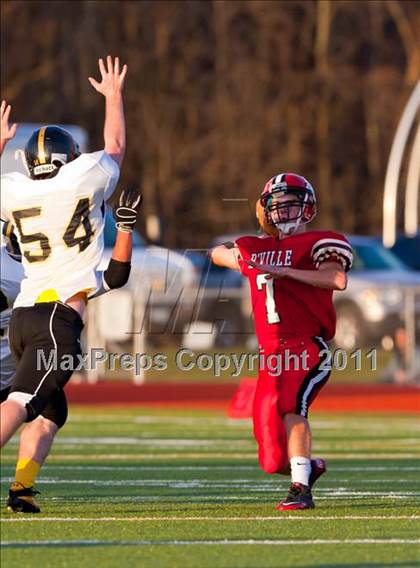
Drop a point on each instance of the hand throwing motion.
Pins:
(292, 275)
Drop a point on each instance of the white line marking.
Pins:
(279, 517)
(369, 468)
(149, 441)
(248, 485)
(314, 381)
(214, 498)
(392, 426)
(139, 468)
(269, 484)
(183, 420)
(73, 543)
(55, 348)
(156, 456)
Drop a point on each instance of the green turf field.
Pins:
(182, 488)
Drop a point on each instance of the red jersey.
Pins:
(285, 307)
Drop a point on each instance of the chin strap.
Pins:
(288, 228)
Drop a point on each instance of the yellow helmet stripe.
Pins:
(41, 145)
(8, 228)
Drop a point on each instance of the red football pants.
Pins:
(288, 382)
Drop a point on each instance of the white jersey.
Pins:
(11, 272)
(59, 224)
(11, 276)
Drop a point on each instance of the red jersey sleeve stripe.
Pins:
(342, 256)
(330, 243)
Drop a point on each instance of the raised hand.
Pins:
(7, 131)
(126, 209)
(112, 82)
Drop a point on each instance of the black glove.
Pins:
(125, 210)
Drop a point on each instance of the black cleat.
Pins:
(318, 467)
(21, 499)
(299, 497)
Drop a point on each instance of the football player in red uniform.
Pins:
(292, 274)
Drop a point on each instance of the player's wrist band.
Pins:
(124, 228)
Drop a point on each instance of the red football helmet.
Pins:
(289, 201)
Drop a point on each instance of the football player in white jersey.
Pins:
(37, 437)
(58, 214)
(11, 276)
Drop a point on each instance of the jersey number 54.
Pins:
(79, 218)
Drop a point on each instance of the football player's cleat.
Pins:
(49, 148)
(288, 200)
(299, 497)
(21, 499)
(318, 468)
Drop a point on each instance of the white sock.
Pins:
(301, 470)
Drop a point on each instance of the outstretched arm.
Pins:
(329, 275)
(125, 214)
(111, 87)
(7, 132)
(226, 255)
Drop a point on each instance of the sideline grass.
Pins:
(182, 488)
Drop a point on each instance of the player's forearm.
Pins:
(7, 131)
(123, 247)
(332, 278)
(3, 142)
(226, 256)
(114, 127)
(119, 267)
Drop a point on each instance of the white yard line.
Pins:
(155, 456)
(362, 423)
(140, 468)
(241, 484)
(312, 542)
(278, 517)
(185, 499)
(146, 441)
(270, 483)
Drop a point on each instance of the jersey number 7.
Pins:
(270, 304)
(80, 217)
